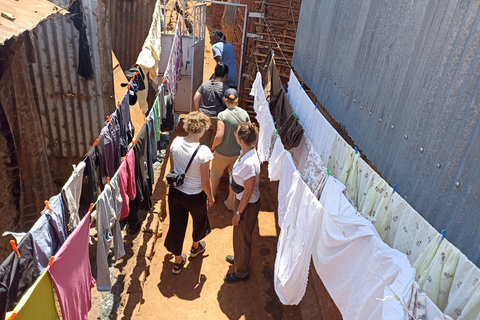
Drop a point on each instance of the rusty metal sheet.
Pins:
(403, 78)
(26, 15)
(72, 109)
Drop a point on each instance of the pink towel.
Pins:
(126, 175)
(71, 274)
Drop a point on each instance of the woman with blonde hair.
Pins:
(194, 195)
(244, 182)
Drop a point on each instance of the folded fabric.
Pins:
(37, 303)
(295, 242)
(109, 208)
(71, 274)
(71, 192)
(436, 267)
(17, 274)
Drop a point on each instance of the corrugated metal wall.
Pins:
(130, 22)
(403, 76)
(72, 110)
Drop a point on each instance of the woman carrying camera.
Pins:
(193, 194)
(244, 181)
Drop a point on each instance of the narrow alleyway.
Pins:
(199, 292)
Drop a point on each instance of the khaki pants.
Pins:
(209, 135)
(220, 163)
(242, 238)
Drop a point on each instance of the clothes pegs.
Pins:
(316, 105)
(51, 261)
(47, 205)
(118, 104)
(444, 233)
(14, 248)
(356, 150)
(328, 172)
(276, 131)
(293, 114)
(108, 118)
(301, 85)
(95, 143)
(394, 188)
(90, 208)
(128, 86)
(283, 88)
(108, 181)
(146, 120)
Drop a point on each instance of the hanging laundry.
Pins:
(291, 133)
(337, 155)
(265, 133)
(142, 180)
(364, 180)
(152, 46)
(280, 108)
(272, 83)
(168, 120)
(71, 274)
(94, 158)
(258, 93)
(317, 128)
(126, 175)
(295, 243)
(175, 60)
(71, 192)
(350, 171)
(152, 143)
(436, 268)
(109, 208)
(37, 303)
(85, 68)
(127, 131)
(464, 296)
(378, 190)
(48, 233)
(158, 114)
(282, 168)
(111, 135)
(412, 232)
(17, 274)
(314, 172)
(300, 154)
(421, 307)
(338, 239)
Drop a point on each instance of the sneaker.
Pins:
(229, 259)
(201, 247)
(177, 268)
(232, 278)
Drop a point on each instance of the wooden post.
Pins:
(228, 20)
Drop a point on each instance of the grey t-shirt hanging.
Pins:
(212, 94)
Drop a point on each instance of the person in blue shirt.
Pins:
(224, 51)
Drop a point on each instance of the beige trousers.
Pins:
(219, 164)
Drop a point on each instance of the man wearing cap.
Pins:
(224, 51)
(209, 100)
(225, 147)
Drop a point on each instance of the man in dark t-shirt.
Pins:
(208, 99)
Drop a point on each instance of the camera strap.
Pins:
(191, 159)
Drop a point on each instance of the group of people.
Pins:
(220, 131)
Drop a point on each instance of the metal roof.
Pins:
(26, 14)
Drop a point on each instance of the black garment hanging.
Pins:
(94, 158)
(85, 68)
(143, 178)
(127, 131)
(291, 133)
(168, 120)
(17, 275)
(280, 108)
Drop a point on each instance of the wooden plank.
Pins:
(276, 5)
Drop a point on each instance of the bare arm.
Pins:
(206, 186)
(219, 134)
(197, 98)
(247, 193)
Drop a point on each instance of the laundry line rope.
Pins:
(278, 45)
